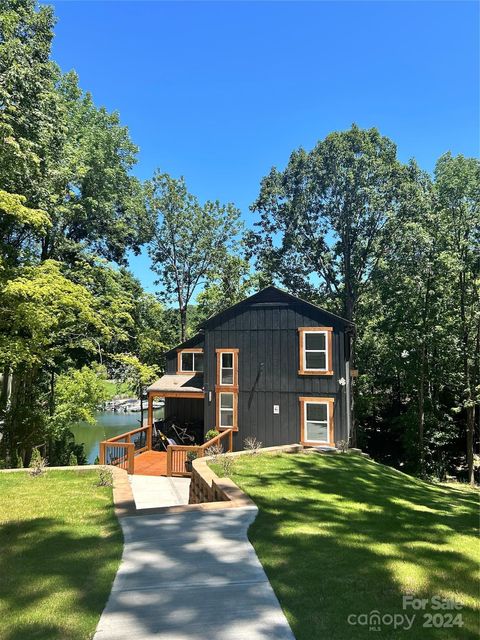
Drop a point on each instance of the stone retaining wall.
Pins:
(206, 486)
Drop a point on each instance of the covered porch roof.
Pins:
(177, 385)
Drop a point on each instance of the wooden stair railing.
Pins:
(177, 453)
(121, 450)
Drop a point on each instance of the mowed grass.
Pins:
(60, 547)
(341, 535)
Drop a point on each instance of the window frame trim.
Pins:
(234, 410)
(219, 384)
(226, 388)
(330, 402)
(302, 370)
(180, 371)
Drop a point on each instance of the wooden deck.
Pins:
(151, 463)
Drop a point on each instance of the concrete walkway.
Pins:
(150, 492)
(191, 575)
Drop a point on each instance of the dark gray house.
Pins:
(272, 366)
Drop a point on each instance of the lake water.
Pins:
(108, 424)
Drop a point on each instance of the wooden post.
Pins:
(131, 458)
(148, 442)
(102, 453)
(150, 410)
(169, 460)
(230, 440)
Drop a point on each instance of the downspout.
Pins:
(348, 385)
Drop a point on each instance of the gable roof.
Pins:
(273, 294)
(191, 342)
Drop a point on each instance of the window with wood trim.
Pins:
(227, 367)
(316, 357)
(317, 421)
(226, 388)
(190, 361)
(227, 410)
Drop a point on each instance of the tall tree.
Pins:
(457, 183)
(323, 220)
(190, 239)
(67, 202)
(229, 283)
(59, 151)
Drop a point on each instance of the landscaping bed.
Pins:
(341, 537)
(60, 547)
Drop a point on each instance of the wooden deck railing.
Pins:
(121, 450)
(177, 453)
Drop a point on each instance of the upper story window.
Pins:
(227, 367)
(190, 361)
(315, 351)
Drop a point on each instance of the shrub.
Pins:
(37, 464)
(104, 478)
(72, 460)
(192, 455)
(252, 445)
(343, 445)
(211, 433)
(227, 464)
(214, 451)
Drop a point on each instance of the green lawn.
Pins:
(341, 535)
(60, 547)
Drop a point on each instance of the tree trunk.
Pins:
(421, 411)
(349, 312)
(183, 324)
(6, 389)
(470, 432)
(422, 373)
(470, 408)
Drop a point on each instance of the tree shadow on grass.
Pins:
(343, 535)
(54, 584)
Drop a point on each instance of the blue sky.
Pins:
(221, 91)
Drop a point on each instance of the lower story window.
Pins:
(227, 410)
(316, 420)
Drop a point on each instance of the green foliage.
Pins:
(44, 314)
(62, 446)
(417, 332)
(72, 460)
(347, 226)
(69, 210)
(228, 283)
(133, 372)
(78, 394)
(17, 223)
(37, 464)
(211, 433)
(190, 239)
(324, 220)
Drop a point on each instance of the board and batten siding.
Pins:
(171, 357)
(268, 333)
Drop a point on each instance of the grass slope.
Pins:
(60, 547)
(340, 535)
